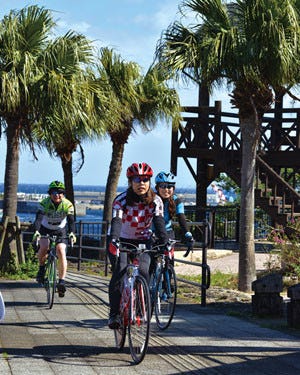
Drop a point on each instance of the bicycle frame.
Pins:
(51, 268)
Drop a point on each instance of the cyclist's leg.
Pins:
(114, 289)
(42, 256)
(144, 263)
(171, 254)
(62, 260)
(62, 268)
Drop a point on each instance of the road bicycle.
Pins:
(163, 284)
(135, 304)
(50, 278)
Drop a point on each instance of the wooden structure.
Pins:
(209, 142)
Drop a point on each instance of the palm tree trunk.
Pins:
(114, 172)
(10, 193)
(247, 272)
(67, 166)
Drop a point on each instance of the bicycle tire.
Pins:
(166, 296)
(139, 319)
(120, 333)
(50, 281)
(153, 286)
(2, 307)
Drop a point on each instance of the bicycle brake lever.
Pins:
(189, 249)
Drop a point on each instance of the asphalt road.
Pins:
(73, 338)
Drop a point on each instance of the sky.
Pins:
(132, 28)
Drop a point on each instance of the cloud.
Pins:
(160, 19)
(166, 15)
(80, 27)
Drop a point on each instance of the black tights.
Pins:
(119, 270)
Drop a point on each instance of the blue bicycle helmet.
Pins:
(165, 177)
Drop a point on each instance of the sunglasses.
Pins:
(166, 186)
(140, 179)
(56, 192)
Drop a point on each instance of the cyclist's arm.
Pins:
(71, 223)
(115, 227)
(116, 221)
(182, 222)
(160, 229)
(181, 215)
(38, 221)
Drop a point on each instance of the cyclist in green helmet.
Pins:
(55, 216)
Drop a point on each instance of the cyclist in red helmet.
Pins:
(133, 213)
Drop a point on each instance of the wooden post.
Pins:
(19, 241)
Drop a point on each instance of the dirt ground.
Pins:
(225, 261)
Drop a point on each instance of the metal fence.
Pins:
(91, 247)
(224, 222)
(219, 230)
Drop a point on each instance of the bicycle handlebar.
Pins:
(141, 248)
(53, 238)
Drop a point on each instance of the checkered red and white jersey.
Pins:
(136, 219)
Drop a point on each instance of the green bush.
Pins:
(26, 270)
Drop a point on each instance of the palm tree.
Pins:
(253, 46)
(31, 72)
(64, 130)
(138, 100)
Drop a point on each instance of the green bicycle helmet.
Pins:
(56, 185)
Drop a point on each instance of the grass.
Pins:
(224, 280)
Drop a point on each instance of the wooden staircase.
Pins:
(274, 195)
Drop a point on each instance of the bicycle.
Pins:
(163, 286)
(50, 278)
(135, 304)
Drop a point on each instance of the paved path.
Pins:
(73, 338)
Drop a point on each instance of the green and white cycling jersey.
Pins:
(55, 217)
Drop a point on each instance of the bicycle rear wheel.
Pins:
(50, 281)
(139, 319)
(166, 296)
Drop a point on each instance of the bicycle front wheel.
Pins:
(166, 295)
(120, 335)
(50, 281)
(2, 308)
(120, 332)
(139, 319)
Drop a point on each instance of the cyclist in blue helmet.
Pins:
(173, 205)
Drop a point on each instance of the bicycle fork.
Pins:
(138, 308)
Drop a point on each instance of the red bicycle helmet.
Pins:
(139, 169)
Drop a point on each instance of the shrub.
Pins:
(286, 242)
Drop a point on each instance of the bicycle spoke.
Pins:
(139, 324)
(166, 295)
